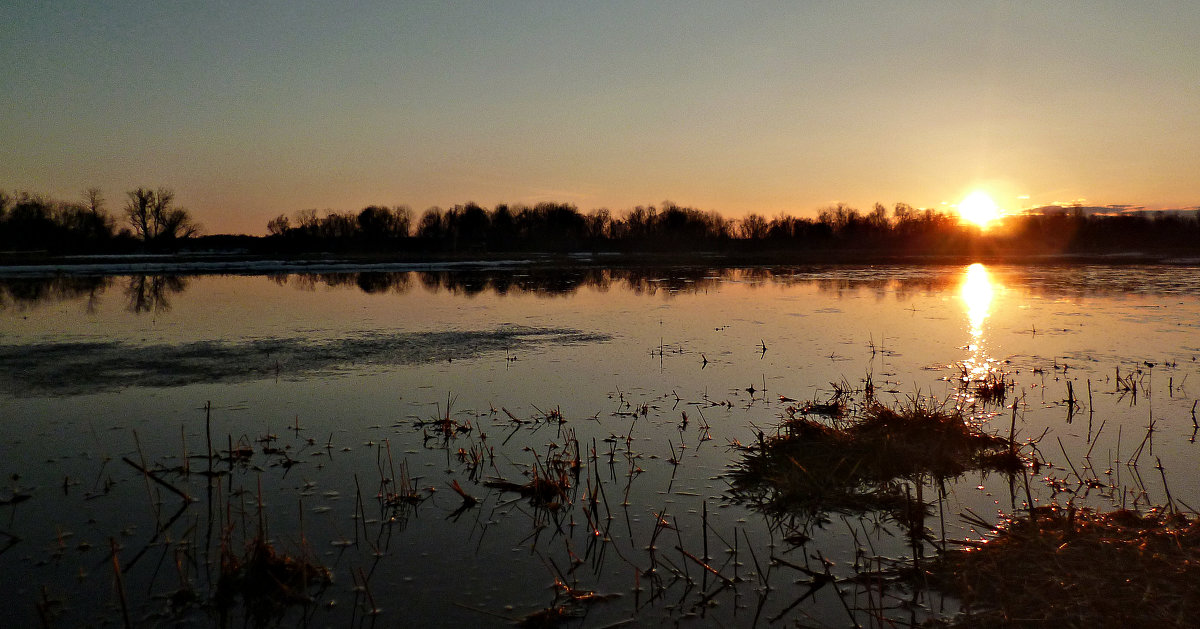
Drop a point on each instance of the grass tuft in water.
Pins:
(1078, 568)
(857, 460)
(266, 580)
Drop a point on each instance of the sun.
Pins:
(978, 209)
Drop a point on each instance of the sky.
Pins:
(249, 110)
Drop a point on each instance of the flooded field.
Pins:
(810, 446)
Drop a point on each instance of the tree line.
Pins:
(561, 227)
(150, 219)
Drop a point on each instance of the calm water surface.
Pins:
(329, 384)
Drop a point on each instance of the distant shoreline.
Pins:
(26, 264)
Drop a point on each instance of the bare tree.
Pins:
(279, 225)
(93, 200)
(754, 227)
(138, 209)
(154, 218)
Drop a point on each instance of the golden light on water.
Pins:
(977, 293)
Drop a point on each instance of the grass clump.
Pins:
(862, 460)
(267, 581)
(993, 388)
(1079, 568)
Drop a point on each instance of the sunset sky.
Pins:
(250, 109)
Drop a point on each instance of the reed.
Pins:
(267, 581)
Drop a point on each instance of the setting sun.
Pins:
(979, 209)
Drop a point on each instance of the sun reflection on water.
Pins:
(977, 292)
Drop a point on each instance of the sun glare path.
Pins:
(977, 292)
(978, 209)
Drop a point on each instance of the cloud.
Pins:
(1113, 209)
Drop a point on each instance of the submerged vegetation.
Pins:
(266, 581)
(849, 456)
(1046, 565)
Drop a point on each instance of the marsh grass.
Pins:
(570, 604)
(1079, 568)
(857, 459)
(551, 479)
(266, 580)
(993, 388)
(889, 469)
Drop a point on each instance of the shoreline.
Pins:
(245, 263)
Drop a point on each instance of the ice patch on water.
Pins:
(73, 368)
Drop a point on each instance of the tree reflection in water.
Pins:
(30, 292)
(150, 293)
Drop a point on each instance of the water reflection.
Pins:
(22, 293)
(147, 293)
(977, 291)
(151, 293)
(977, 294)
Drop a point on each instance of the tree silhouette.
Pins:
(155, 219)
(754, 227)
(430, 226)
(377, 223)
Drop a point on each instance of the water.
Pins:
(334, 383)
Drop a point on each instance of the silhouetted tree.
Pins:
(32, 222)
(89, 222)
(430, 226)
(377, 223)
(561, 227)
(154, 218)
(552, 226)
(503, 228)
(753, 227)
(472, 225)
(93, 200)
(599, 225)
(279, 226)
(877, 220)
